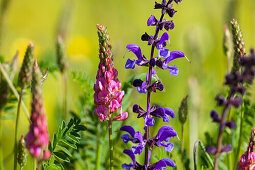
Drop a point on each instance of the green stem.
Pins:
(16, 129)
(203, 149)
(182, 146)
(14, 91)
(99, 148)
(1, 142)
(34, 164)
(240, 135)
(110, 141)
(65, 94)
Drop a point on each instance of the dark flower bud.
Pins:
(169, 25)
(153, 62)
(139, 110)
(226, 148)
(183, 110)
(137, 82)
(215, 116)
(233, 78)
(178, 1)
(236, 102)
(158, 6)
(159, 63)
(160, 86)
(231, 124)
(221, 100)
(211, 150)
(241, 90)
(145, 37)
(170, 11)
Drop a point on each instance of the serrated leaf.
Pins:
(65, 150)
(61, 156)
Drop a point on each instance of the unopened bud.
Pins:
(183, 110)
(22, 152)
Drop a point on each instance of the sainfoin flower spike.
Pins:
(37, 138)
(26, 68)
(108, 94)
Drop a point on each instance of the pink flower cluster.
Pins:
(247, 161)
(108, 95)
(37, 138)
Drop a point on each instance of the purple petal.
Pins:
(169, 147)
(169, 162)
(166, 118)
(165, 53)
(174, 55)
(125, 138)
(164, 37)
(151, 21)
(136, 50)
(169, 112)
(128, 129)
(137, 149)
(130, 64)
(149, 121)
(165, 133)
(142, 88)
(130, 154)
(128, 166)
(160, 164)
(226, 148)
(138, 135)
(211, 149)
(173, 70)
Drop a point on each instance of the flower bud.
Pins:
(21, 152)
(61, 55)
(183, 110)
(26, 68)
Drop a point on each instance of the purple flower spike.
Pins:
(128, 129)
(130, 64)
(152, 21)
(164, 38)
(136, 50)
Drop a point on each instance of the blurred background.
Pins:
(199, 29)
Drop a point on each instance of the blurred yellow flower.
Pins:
(79, 47)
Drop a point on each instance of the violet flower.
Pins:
(153, 84)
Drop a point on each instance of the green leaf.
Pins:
(64, 150)
(69, 144)
(81, 127)
(73, 138)
(61, 156)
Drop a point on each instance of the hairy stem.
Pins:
(182, 146)
(1, 142)
(99, 148)
(110, 141)
(65, 94)
(220, 134)
(16, 129)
